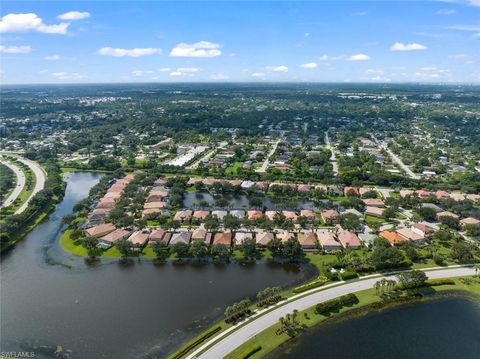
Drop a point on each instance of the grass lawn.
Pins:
(269, 340)
(234, 168)
(372, 219)
(73, 169)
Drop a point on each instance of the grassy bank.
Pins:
(368, 302)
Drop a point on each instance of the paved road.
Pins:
(333, 158)
(207, 156)
(385, 192)
(19, 186)
(264, 166)
(400, 163)
(236, 338)
(39, 184)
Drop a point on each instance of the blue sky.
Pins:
(316, 41)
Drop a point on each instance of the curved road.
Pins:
(39, 183)
(19, 185)
(237, 337)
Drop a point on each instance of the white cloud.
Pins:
(141, 72)
(184, 71)
(307, 34)
(15, 49)
(219, 77)
(431, 73)
(30, 22)
(446, 12)
(188, 69)
(74, 15)
(258, 74)
(400, 46)
(474, 2)
(375, 71)
(327, 58)
(358, 57)
(309, 65)
(360, 13)
(198, 49)
(67, 75)
(281, 68)
(52, 57)
(165, 69)
(136, 52)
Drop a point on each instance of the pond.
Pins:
(198, 200)
(447, 328)
(109, 310)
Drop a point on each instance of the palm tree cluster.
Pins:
(384, 286)
(289, 324)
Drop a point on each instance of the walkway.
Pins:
(233, 338)
(19, 186)
(333, 158)
(39, 183)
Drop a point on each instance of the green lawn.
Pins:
(372, 219)
(234, 168)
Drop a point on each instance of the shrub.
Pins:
(247, 353)
(316, 283)
(437, 282)
(195, 343)
(334, 305)
(349, 275)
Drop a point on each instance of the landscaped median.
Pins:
(268, 337)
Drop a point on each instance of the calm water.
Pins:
(240, 201)
(440, 329)
(110, 310)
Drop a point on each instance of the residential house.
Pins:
(411, 235)
(223, 238)
(373, 202)
(199, 234)
(180, 237)
(469, 221)
(156, 236)
(139, 239)
(447, 214)
(328, 242)
(263, 238)
(285, 236)
(112, 237)
(220, 214)
(238, 213)
(330, 216)
(199, 216)
(349, 239)
(240, 237)
(100, 230)
(183, 216)
(422, 229)
(374, 211)
(290, 215)
(308, 240)
(309, 214)
(392, 237)
(254, 214)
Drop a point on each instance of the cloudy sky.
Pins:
(316, 41)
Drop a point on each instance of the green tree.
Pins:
(161, 250)
(462, 252)
(275, 247)
(211, 223)
(221, 253)
(292, 250)
(124, 247)
(181, 250)
(412, 279)
(90, 244)
(198, 249)
(249, 249)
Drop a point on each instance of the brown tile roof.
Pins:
(223, 238)
(100, 230)
(349, 239)
(392, 237)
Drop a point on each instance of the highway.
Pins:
(39, 183)
(227, 341)
(18, 187)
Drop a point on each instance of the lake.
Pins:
(109, 310)
(446, 328)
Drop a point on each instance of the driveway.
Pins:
(234, 338)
